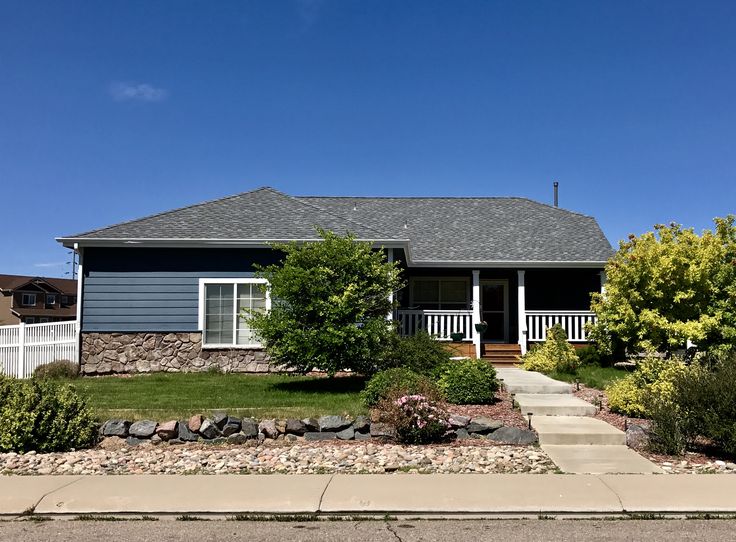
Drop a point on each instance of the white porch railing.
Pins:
(573, 322)
(438, 323)
(26, 346)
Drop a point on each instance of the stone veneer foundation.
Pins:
(120, 353)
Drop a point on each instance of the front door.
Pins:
(494, 307)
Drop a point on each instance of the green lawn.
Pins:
(164, 396)
(592, 376)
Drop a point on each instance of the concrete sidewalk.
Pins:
(447, 495)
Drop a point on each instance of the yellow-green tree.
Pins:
(670, 285)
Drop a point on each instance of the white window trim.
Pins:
(23, 303)
(468, 297)
(228, 346)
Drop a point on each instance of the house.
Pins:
(163, 293)
(35, 300)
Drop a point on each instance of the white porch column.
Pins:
(604, 278)
(476, 310)
(522, 310)
(80, 294)
(390, 257)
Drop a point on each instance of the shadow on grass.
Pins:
(338, 384)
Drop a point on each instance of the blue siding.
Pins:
(147, 289)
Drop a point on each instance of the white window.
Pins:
(439, 293)
(223, 308)
(51, 299)
(28, 300)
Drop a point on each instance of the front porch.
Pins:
(518, 306)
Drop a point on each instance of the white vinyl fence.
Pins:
(26, 346)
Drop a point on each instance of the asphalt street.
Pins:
(364, 531)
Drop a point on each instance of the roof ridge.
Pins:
(163, 213)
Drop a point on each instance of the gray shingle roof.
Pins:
(437, 229)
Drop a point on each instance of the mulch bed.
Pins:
(501, 410)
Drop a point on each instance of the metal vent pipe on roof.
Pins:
(556, 190)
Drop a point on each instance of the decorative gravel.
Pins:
(281, 457)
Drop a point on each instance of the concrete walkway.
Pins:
(576, 442)
(442, 495)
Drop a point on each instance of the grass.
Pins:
(164, 396)
(592, 376)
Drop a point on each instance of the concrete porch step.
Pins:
(576, 430)
(519, 381)
(553, 404)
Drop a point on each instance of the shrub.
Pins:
(555, 354)
(43, 415)
(418, 419)
(421, 353)
(61, 368)
(654, 377)
(397, 380)
(592, 355)
(702, 403)
(468, 382)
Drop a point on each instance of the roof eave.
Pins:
(81, 242)
(588, 264)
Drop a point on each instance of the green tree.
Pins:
(668, 286)
(329, 303)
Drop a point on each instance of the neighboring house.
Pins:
(35, 300)
(163, 293)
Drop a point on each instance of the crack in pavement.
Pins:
(391, 530)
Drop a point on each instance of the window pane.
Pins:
(426, 291)
(250, 299)
(454, 291)
(218, 317)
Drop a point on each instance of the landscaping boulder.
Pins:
(362, 423)
(115, 428)
(195, 422)
(237, 438)
(209, 430)
(219, 419)
(143, 429)
(483, 425)
(333, 423)
(281, 426)
(386, 430)
(462, 434)
(186, 434)
(315, 435)
(249, 428)
(168, 430)
(295, 427)
(637, 436)
(311, 424)
(268, 428)
(513, 435)
(362, 436)
(346, 434)
(457, 420)
(134, 441)
(231, 427)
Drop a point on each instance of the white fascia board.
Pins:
(69, 242)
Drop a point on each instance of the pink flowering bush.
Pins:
(417, 418)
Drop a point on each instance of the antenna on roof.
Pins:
(556, 190)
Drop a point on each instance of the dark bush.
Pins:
(43, 415)
(397, 380)
(468, 382)
(592, 355)
(420, 353)
(703, 404)
(61, 368)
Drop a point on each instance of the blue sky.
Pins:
(113, 110)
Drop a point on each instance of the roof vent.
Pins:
(355, 207)
(556, 190)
